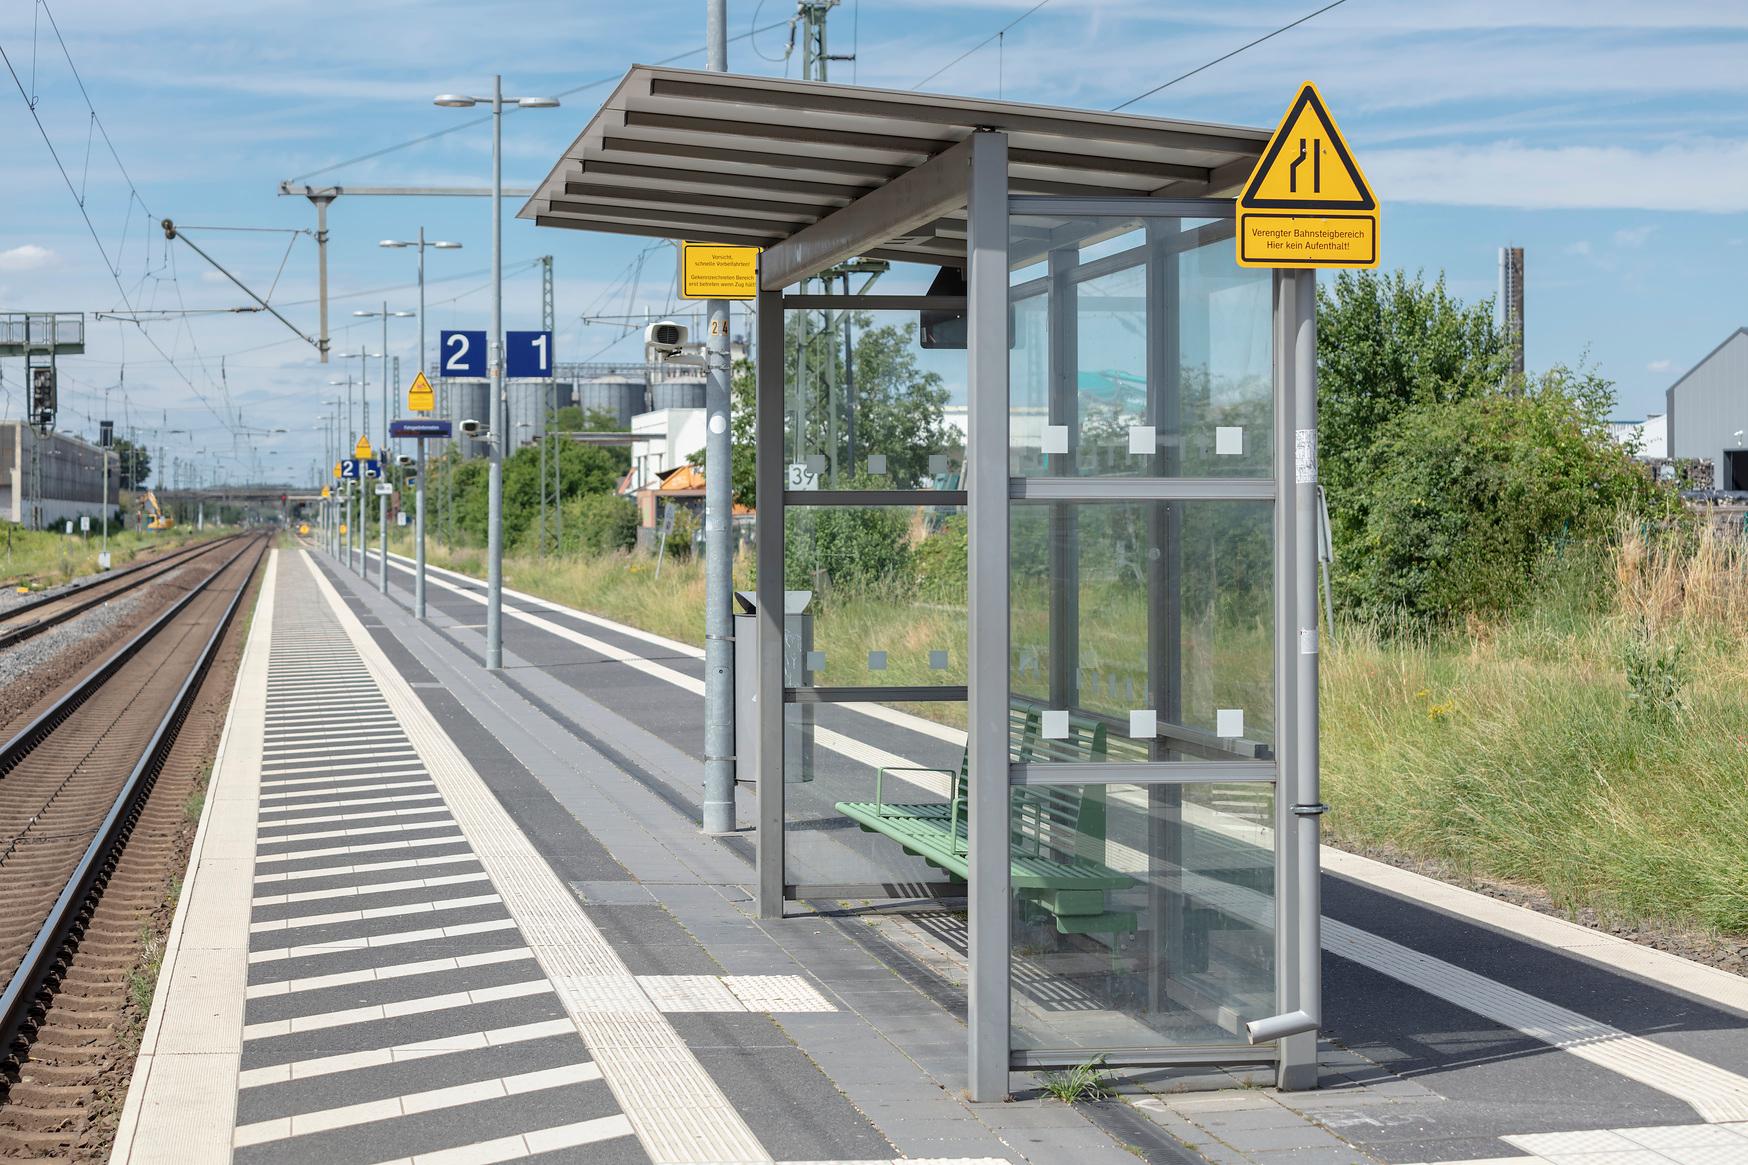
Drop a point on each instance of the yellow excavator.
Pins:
(149, 505)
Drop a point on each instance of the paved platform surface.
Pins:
(603, 979)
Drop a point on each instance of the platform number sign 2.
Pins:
(527, 354)
(462, 354)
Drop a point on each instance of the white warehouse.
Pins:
(1707, 412)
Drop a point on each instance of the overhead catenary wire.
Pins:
(457, 127)
(990, 39)
(1227, 56)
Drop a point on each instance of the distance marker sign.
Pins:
(1306, 204)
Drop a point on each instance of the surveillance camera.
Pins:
(404, 461)
(666, 334)
(472, 428)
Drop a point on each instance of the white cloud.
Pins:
(1707, 175)
(1580, 248)
(1659, 366)
(1634, 236)
(27, 257)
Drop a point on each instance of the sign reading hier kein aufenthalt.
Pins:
(1306, 204)
(718, 271)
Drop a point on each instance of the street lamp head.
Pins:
(393, 243)
(453, 101)
(403, 314)
(537, 102)
(445, 246)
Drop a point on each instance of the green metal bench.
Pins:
(1049, 828)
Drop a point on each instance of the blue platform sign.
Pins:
(352, 468)
(420, 428)
(528, 354)
(461, 354)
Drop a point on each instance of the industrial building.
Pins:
(72, 476)
(1707, 413)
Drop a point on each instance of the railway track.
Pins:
(82, 847)
(34, 616)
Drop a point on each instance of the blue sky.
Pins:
(1609, 138)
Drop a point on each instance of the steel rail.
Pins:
(43, 956)
(179, 557)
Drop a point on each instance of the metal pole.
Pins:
(987, 707)
(382, 454)
(767, 745)
(719, 743)
(495, 368)
(363, 430)
(419, 493)
(321, 202)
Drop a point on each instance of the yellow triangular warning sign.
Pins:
(336, 471)
(420, 398)
(1307, 165)
(362, 450)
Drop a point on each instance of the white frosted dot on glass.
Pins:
(1054, 724)
(876, 464)
(1142, 440)
(937, 463)
(816, 661)
(938, 660)
(1056, 438)
(1229, 440)
(876, 661)
(816, 463)
(1229, 722)
(1143, 723)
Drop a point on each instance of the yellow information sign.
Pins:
(420, 398)
(361, 452)
(718, 271)
(342, 527)
(324, 493)
(1306, 204)
(336, 472)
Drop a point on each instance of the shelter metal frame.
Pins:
(920, 178)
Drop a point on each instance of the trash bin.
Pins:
(797, 718)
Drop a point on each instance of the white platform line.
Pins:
(393, 756)
(376, 1011)
(433, 803)
(293, 855)
(272, 802)
(398, 910)
(280, 1128)
(393, 971)
(294, 785)
(418, 1050)
(374, 941)
(369, 888)
(679, 1111)
(364, 868)
(284, 814)
(265, 839)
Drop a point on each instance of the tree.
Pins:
(1387, 344)
(899, 409)
(136, 463)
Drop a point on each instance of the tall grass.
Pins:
(41, 558)
(1529, 751)
(1517, 749)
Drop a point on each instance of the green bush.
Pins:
(943, 560)
(1464, 501)
(852, 547)
(599, 523)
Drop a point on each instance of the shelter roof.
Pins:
(729, 158)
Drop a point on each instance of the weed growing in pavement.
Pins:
(142, 979)
(1084, 1081)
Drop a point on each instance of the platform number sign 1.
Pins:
(528, 354)
(461, 354)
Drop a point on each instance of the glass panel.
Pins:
(1141, 631)
(885, 591)
(1140, 349)
(857, 780)
(1143, 915)
(892, 416)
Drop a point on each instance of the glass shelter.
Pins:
(1097, 728)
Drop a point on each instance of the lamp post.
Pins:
(419, 490)
(495, 366)
(382, 498)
